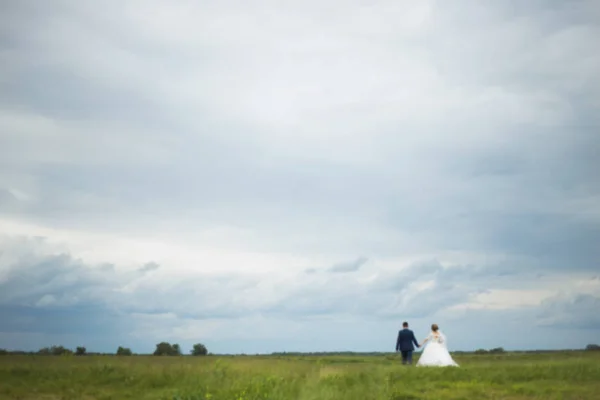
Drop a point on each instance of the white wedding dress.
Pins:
(436, 353)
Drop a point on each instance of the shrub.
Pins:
(124, 351)
(54, 351)
(199, 350)
(167, 349)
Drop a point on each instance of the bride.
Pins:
(436, 353)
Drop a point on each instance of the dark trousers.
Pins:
(406, 356)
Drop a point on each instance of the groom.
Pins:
(404, 343)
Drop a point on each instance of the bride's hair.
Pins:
(434, 327)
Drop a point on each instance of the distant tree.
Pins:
(3, 352)
(176, 349)
(497, 350)
(481, 351)
(167, 349)
(80, 351)
(54, 351)
(199, 350)
(124, 351)
(592, 347)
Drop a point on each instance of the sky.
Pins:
(274, 176)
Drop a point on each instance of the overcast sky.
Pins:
(304, 175)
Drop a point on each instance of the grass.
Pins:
(516, 376)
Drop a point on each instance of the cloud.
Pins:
(148, 267)
(42, 285)
(82, 320)
(351, 266)
(159, 167)
(571, 311)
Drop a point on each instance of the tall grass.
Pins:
(568, 375)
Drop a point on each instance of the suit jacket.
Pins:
(405, 340)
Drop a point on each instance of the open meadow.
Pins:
(553, 375)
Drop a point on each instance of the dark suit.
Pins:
(404, 344)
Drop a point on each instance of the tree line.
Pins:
(162, 349)
(198, 349)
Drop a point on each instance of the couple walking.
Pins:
(435, 354)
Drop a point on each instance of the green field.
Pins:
(559, 375)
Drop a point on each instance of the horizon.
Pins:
(280, 353)
(268, 176)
